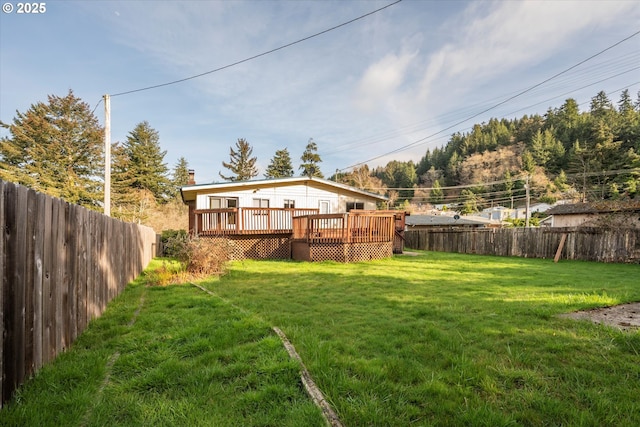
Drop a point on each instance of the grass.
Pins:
(445, 339)
(436, 339)
(168, 356)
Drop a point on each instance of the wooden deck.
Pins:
(244, 221)
(344, 228)
(303, 234)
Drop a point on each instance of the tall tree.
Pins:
(56, 148)
(146, 161)
(241, 164)
(436, 196)
(546, 150)
(280, 166)
(310, 160)
(402, 176)
(128, 202)
(180, 177)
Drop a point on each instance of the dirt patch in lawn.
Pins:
(623, 316)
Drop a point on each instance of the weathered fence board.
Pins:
(60, 264)
(582, 243)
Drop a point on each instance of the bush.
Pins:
(199, 257)
(204, 257)
(174, 243)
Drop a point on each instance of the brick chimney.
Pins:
(192, 177)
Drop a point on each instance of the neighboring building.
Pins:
(497, 213)
(421, 222)
(537, 207)
(610, 214)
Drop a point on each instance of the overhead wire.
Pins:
(510, 98)
(242, 61)
(627, 60)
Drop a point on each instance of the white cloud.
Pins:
(381, 80)
(494, 41)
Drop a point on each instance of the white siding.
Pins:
(304, 196)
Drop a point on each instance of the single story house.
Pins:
(536, 207)
(601, 214)
(300, 217)
(301, 193)
(498, 213)
(425, 222)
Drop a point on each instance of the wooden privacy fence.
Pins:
(581, 243)
(60, 264)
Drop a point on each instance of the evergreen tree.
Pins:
(180, 177)
(280, 166)
(436, 196)
(601, 107)
(546, 150)
(125, 197)
(56, 148)
(627, 126)
(310, 159)
(401, 175)
(146, 161)
(240, 163)
(468, 202)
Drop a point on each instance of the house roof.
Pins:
(445, 220)
(592, 208)
(189, 192)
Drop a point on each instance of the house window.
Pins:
(260, 203)
(289, 204)
(215, 203)
(324, 206)
(354, 205)
(225, 218)
(222, 202)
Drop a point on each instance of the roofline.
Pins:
(277, 181)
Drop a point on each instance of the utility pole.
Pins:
(107, 155)
(527, 214)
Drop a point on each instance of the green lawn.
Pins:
(435, 339)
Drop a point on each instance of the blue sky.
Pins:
(386, 81)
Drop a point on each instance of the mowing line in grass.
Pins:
(310, 386)
(105, 382)
(109, 366)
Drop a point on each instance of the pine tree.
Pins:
(241, 163)
(436, 196)
(56, 148)
(146, 161)
(280, 166)
(180, 177)
(310, 159)
(125, 198)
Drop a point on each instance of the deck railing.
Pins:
(344, 228)
(216, 222)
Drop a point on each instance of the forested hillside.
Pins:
(56, 147)
(568, 154)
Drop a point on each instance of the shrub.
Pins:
(204, 257)
(174, 242)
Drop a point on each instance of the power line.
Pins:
(496, 105)
(622, 65)
(258, 55)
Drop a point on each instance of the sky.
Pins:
(388, 86)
